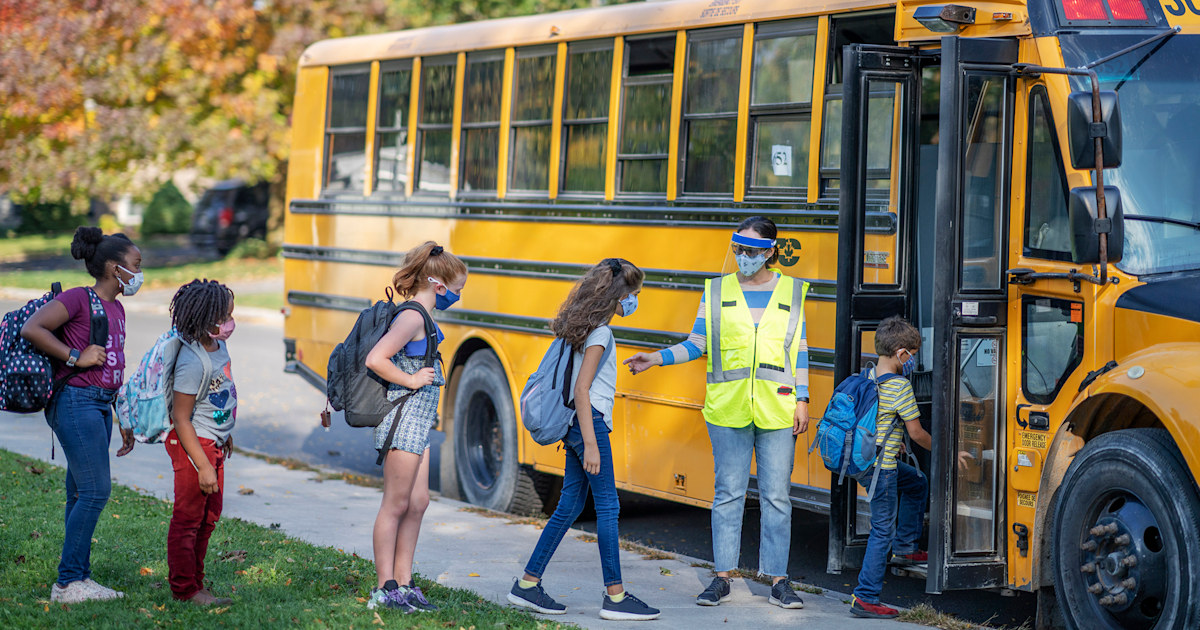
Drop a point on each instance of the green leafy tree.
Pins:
(167, 213)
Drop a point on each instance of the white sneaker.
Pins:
(103, 592)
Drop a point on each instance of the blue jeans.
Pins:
(886, 534)
(576, 482)
(82, 419)
(775, 451)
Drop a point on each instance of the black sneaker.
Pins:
(717, 592)
(783, 596)
(417, 598)
(628, 609)
(536, 598)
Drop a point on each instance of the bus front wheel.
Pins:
(1126, 545)
(485, 441)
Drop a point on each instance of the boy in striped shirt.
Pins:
(901, 493)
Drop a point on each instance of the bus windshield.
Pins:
(1159, 176)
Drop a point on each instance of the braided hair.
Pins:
(198, 307)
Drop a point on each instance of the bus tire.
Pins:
(485, 434)
(1126, 547)
(532, 489)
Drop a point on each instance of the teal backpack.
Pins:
(144, 403)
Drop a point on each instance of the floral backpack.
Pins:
(144, 402)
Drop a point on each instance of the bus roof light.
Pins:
(1127, 10)
(1084, 10)
(945, 18)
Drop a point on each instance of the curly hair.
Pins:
(198, 307)
(427, 260)
(595, 298)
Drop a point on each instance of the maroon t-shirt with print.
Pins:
(75, 333)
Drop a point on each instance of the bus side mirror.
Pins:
(1082, 130)
(1086, 228)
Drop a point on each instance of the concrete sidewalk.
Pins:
(458, 548)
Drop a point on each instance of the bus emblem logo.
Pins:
(789, 251)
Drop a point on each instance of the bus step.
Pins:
(919, 571)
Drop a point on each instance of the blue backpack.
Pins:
(547, 405)
(848, 433)
(144, 403)
(27, 380)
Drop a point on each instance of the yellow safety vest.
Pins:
(751, 376)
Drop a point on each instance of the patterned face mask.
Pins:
(629, 304)
(749, 265)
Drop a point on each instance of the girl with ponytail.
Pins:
(433, 278)
(80, 412)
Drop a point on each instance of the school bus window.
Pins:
(1051, 346)
(585, 122)
(1047, 232)
(862, 28)
(714, 63)
(481, 120)
(435, 124)
(984, 182)
(781, 104)
(346, 131)
(642, 153)
(531, 119)
(391, 127)
(881, 108)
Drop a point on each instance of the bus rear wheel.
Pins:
(1126, 545)
(485, 441)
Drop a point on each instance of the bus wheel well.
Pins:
(447, 469)
(1111, 412)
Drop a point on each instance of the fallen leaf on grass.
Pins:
(34, 470)
(116, 516)
(34, 535)
(378, 621)
(239, 572)
(290, 560)
(146, 571)
(19, 560)
(361, 600)
(238, 555)
(219, 611)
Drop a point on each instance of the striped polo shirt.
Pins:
(896, 400)
(758, 298)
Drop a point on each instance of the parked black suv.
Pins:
(228, 212)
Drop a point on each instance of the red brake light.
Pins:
(1084, 10)
(225, 217)
(1127, 10)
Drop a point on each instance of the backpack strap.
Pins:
(431, 359)
(569, 377)
(97, 333)
(878, 467)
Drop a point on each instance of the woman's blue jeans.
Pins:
(82, 419)
(576, 482)
(775, 450)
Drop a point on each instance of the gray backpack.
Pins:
(547, 402)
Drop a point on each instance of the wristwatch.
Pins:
(803, 399)
(73, 358)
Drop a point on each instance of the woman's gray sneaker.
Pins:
(629, 608)
(717, 592)
(391, 599)
(783, 596)
(535, 597)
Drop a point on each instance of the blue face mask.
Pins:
(443, 302)
(909, 366)
(628, 305)
(749, 265)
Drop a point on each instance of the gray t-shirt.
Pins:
(604, 386)
(216, 401)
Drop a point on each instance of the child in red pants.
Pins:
(204, 411)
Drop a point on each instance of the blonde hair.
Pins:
(425, 261)
(594, 299)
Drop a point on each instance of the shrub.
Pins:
(253, 248)
(167, 213)
(47, 218)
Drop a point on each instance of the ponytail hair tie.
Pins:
(615, 266)
(436, 251)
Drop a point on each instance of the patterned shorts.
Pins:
(419, 412)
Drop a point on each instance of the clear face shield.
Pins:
(747, 254)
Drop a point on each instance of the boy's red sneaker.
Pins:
(860, 608)
(916, 557)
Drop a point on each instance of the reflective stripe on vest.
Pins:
(732, 397)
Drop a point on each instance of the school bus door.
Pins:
(881, 103)
(967, 523)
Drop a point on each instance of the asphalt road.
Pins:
(278, 415)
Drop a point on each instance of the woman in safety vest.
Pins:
(750, 324)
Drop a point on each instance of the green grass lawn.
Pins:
(281, 582)
(272, 300)
(34, 245)
(226, 270)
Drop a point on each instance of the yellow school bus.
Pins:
(919, 158)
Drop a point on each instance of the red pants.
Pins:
(194, 517)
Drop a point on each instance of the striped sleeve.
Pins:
(802, 362)
(691, 348)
